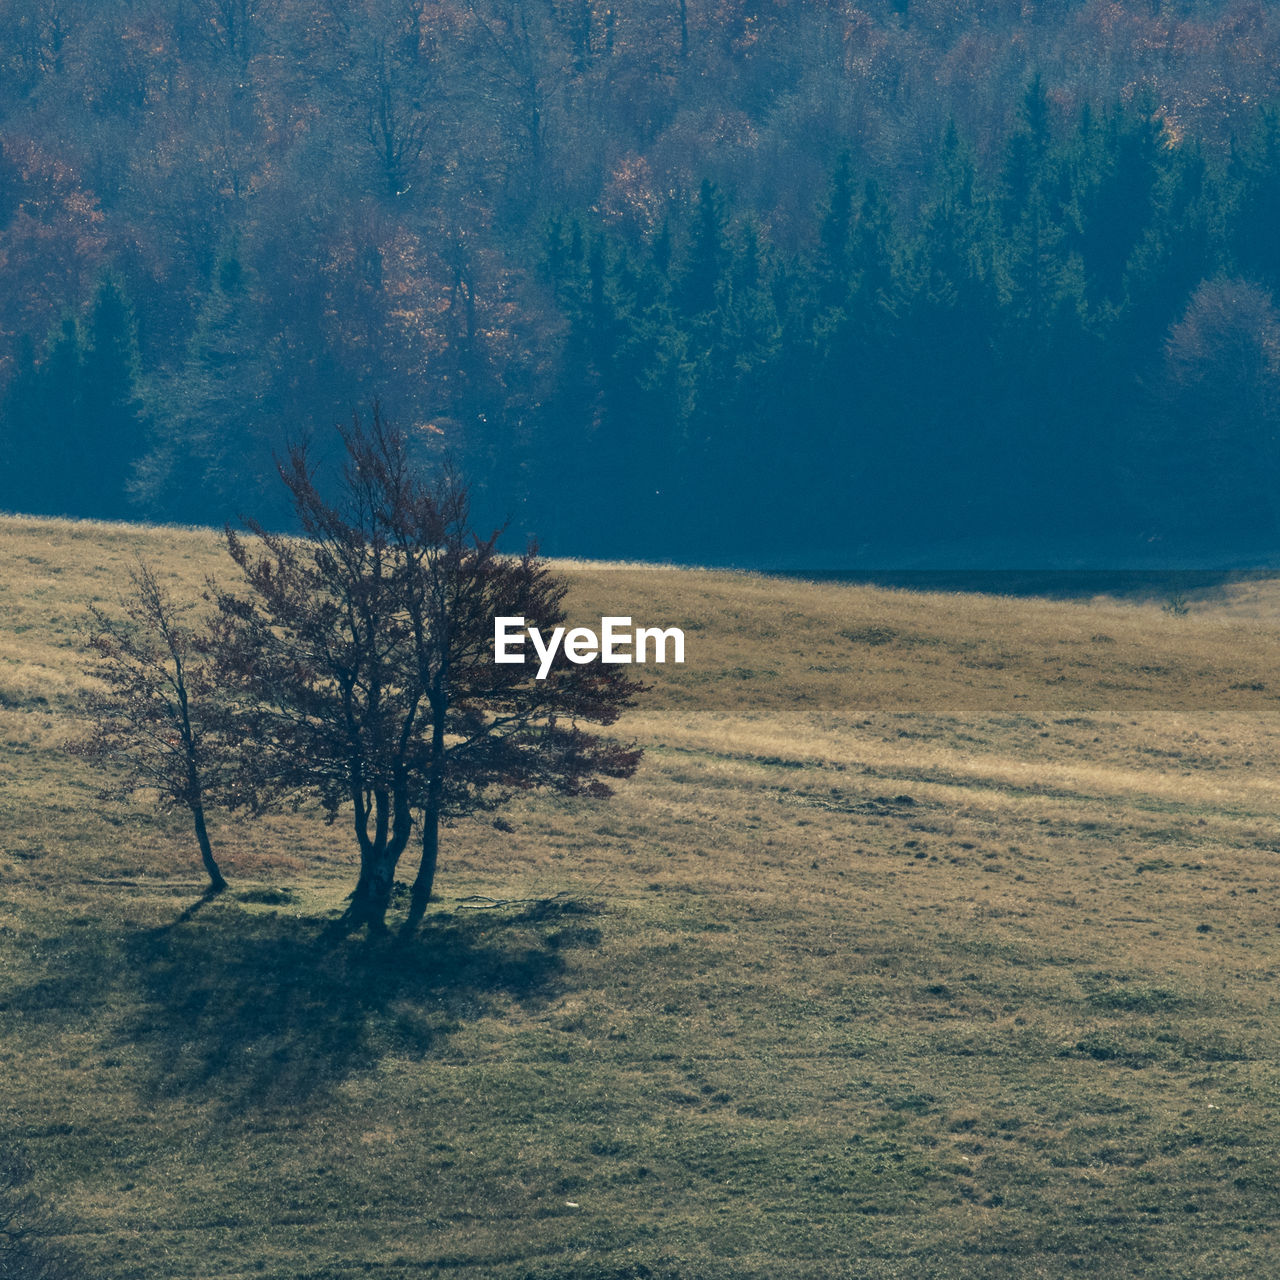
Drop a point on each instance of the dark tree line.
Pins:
(1080, 343)
(917, 265)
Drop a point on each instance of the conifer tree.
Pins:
(1116, 188)
(1044, 345)
(1027, 153)
(952, 440)
(73, 420)
(747, 417)
(211, 454)
(112, 434)
(856, 384)
(56, 431)
(833, 266)
(42, 426)
(706, 256)
(1253, 214)
(23, 473)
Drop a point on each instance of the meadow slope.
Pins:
(936, 937)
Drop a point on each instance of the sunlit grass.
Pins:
(935, 937)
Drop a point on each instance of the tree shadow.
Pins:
(189, 913)
(26, 1226)
(262, 1011)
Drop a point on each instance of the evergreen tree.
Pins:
(1177, 252)
(953, 446)
(57, 426)
(1119, 169)
(1044, 344)
(742, 438)
(112, 434)
(846, 410)
(833, 265)
(211, 451)
(24, 475)
(604, 442)
(1027, 154)
(1253, 214)
(72, 421)
(706, 257)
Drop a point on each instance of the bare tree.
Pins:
(397, 123)
(360, 662)
(154, 713)
(1213, 445)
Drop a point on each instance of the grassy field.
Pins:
(936, 937)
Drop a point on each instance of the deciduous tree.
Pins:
(360, 661)
(155, 712)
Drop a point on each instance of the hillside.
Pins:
(935, 937)
(996, 281)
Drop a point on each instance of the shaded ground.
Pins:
(266, 1010)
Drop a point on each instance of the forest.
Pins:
(746, 282)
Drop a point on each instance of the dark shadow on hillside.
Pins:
(1136, 585)
(261, 1012)
(26, 1225)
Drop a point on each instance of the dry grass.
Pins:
(936, 937)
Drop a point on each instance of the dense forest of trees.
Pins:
(731, 280)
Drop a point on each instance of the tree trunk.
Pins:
(379, 855)
(372, 894)
(426, 876)
(216, 882)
